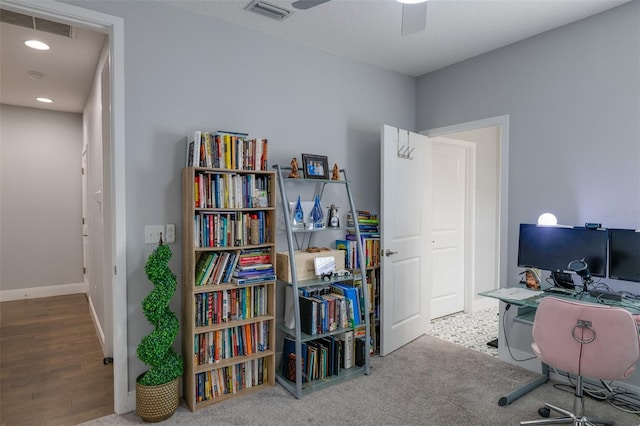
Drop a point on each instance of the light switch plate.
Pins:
(152, 234)
(171, 233)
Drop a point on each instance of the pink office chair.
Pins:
(586, 340)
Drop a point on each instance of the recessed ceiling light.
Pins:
(44, 100)
(38, 45)
(411, 1)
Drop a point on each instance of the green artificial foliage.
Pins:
(156, 349)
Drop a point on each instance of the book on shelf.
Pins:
(226, 150)
(193, 148)
(253, 272)
(288, 363)
(254, 267)
(308, 314)
(370, 249)
(333, 356)
(208, 265)
(347, 349)
(253, 280)
(360, 348)
(353, 300)
(231, 265)
(201, 266)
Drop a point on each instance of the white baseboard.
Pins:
(131, 402)
(98, 326)
(48, 291)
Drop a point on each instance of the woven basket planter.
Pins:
(157, 403)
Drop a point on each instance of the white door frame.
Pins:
(116, 259)
(472, 302)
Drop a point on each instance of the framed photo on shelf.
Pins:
(315, 166)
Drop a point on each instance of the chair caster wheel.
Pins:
(544, 412)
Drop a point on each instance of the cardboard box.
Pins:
(305, 268)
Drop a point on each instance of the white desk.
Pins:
(526, 306)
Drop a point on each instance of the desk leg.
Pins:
(526, 388)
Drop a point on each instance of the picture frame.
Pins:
(315, 166)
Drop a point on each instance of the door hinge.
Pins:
(115, 270)
(84, 270)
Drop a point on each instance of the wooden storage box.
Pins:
(304, 263)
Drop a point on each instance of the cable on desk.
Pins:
(506, 339)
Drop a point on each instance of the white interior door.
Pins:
(448, 166)
(404, 223)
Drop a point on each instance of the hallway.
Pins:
(51, 363)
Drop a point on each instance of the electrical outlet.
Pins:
(152, 234)
(171, 233)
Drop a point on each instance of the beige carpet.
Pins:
(427, 382)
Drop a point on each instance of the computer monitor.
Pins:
(624, 255)
(552, 248)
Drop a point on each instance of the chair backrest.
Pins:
(590, 340)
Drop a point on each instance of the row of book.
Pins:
(231, 191)
(231, 229)
(329, 308)
(215, 267)
(216, 307)
(370, 249)
(226, 150)
(323, 357)
(231, 379)
(241, 340)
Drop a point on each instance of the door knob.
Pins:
(389, 252)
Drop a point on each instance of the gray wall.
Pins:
(573, 98)
(193, 72)
(40, 198)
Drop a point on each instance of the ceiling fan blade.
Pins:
(307, 4)
(414, 18)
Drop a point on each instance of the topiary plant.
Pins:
(156, 349)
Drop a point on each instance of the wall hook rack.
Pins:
(405, 151)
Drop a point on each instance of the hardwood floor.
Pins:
(51, 363)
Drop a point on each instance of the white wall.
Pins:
(193, 72)
(572, 96)
(573, 99)
(41, 228)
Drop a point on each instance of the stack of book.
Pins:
(253, 266)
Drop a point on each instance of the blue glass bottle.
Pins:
(298, 214)
(316, 213)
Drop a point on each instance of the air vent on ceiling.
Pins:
(269, 10)
(34, 23)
